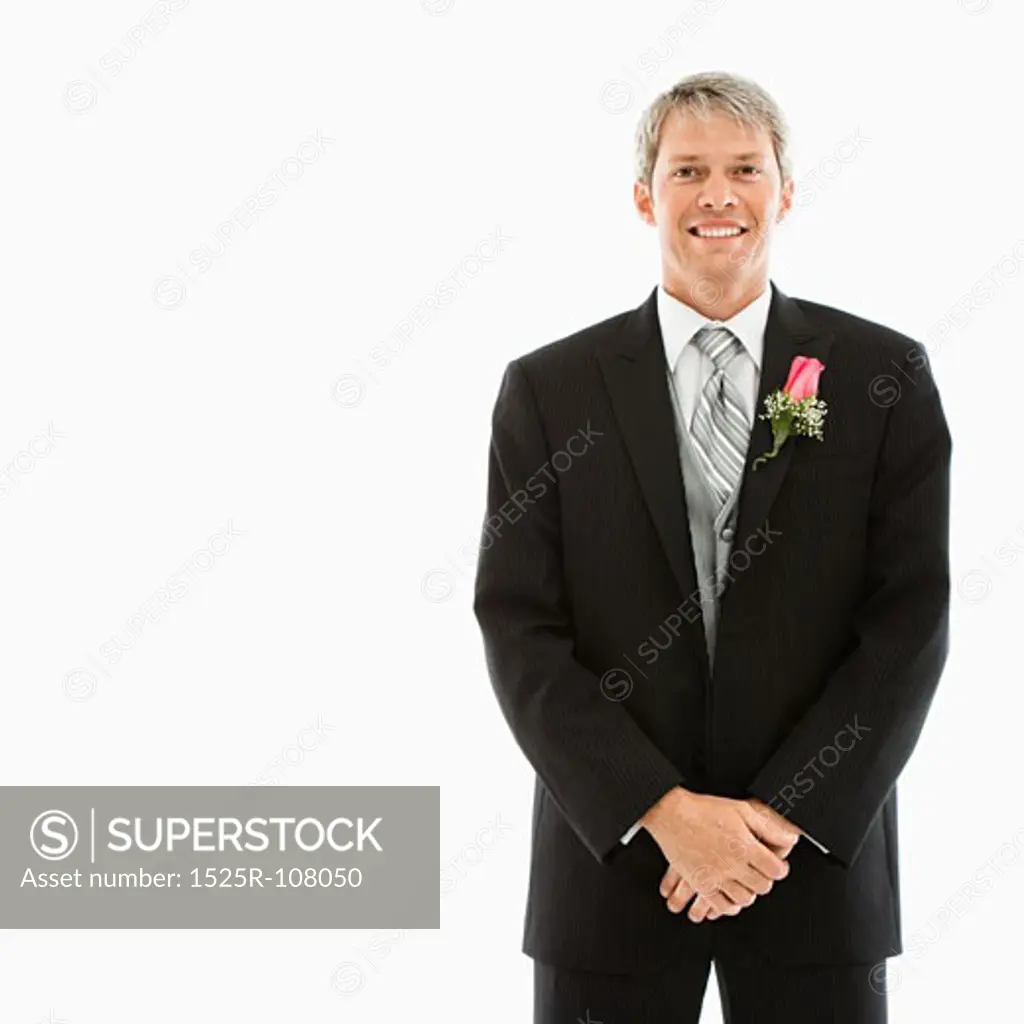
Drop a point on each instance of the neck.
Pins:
(716, 298)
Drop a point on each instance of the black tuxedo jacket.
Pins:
(832, 633)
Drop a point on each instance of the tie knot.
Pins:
(719, 344)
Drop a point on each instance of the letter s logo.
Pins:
(53, 825)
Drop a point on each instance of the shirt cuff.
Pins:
(813, 840)
(632, 832)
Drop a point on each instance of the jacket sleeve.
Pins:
(872, 709)
(602, 771)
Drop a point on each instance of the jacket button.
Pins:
(728, 533)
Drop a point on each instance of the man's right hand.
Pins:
(721, 848)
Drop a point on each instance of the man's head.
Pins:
(711, 160)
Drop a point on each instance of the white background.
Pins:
(450, 123)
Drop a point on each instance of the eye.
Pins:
(681, 170)
(751, 168)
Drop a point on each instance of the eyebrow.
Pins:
(699, 156)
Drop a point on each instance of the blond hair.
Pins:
(701, 95)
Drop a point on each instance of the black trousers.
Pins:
(752, 992)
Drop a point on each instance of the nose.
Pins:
(717, 193)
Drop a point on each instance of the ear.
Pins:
(644, 202)
(786, 200)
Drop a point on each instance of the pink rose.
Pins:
(803, 378)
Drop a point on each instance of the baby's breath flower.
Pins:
(805, 418)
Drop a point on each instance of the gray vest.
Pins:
(710, 535)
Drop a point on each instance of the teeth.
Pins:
(718, 232)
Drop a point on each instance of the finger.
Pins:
(754, 880)
(713, 905)
(764, 809)
(721, 903)
(782, 851)
(680, 896)
(769, 864)
(745, 849)
(740, 895)
(669, 881)
(700, 910)
(766, 823)
(712, 915)
(769, 826)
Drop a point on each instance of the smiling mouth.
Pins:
(716, 232)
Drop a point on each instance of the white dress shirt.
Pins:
(679, 324)
(692, 368)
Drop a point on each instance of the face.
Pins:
(716, 195)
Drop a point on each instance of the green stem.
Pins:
(780, 432)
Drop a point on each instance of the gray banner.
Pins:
(220, 857)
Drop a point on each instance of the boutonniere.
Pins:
(795, 408)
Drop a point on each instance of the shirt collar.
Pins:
(680, 322)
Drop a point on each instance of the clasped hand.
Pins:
(727, 852)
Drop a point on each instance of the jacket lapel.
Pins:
(634, 370)
(788, 333)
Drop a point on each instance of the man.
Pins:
(717, 664)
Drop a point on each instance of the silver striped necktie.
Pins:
(720, 429)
